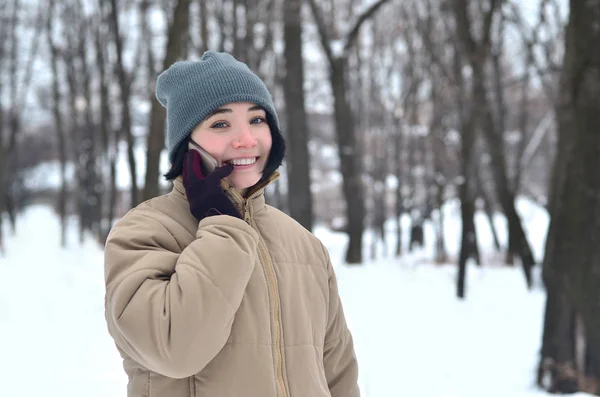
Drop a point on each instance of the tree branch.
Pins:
(353, 34)
(13, 55)
(31, 58)
(463, 27)
(268, 44)
(461, 12)
(531, 39)
(488, 19)
(325, 39)
(426, 28)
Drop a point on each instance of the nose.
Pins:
(244, 138)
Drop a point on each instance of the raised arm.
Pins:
(172, 310)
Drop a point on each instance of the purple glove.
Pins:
(204, 192)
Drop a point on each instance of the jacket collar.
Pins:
(255, 197)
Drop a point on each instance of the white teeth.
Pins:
(244, 161)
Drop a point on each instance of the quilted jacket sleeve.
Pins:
(170, 309)
(339, 358)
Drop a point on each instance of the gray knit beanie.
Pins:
(192, 90)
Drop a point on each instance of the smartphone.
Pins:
(209, 163)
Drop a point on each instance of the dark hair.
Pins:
(275, 159)
(178, 157)
(277, 152)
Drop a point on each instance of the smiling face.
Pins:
(237, 133)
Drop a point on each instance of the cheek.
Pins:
(215, 147)
(266, 141)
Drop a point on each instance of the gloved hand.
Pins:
(204, 192)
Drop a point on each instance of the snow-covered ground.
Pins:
(412, 336)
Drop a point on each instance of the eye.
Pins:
(219, 124)
(257, 120)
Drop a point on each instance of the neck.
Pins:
(242, 192)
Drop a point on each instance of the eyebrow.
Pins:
(227, 110)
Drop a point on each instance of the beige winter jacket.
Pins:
(226, 307)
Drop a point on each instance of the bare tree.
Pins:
(488, 208)
(446, 66)
(109, 134)
(124, 89)
(345, 126)
(80, 109)
(298, 134)
(571, 264)
(61, 201)
(18, 93)
(7, 142)
(380, 63)
(88, 151)
(203, 26)
(439, 167)
(477, 53)
(377, 176)
(468, 243)
(156, 136)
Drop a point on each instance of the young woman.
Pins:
(209, 291)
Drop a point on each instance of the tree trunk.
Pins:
(7, 148)
(61, 202)
(88, 150)
(591, 381)
(298, 157)
(147, 38)
(222, 24)
(7, 202)
(558, 342)
(378, 172)
(110, 139)
(125, 97)
(506, 197)
(524, 114)
(9, 205)
(440, 245)
(250, 52)
(349, 161)
(573, 242)
(235, 45)
(488, 209)
(19, 97)
(468, 242)
(3, 151)
(379, 217)
(156, 136)
(185, 34)
(350, 157)
(437, 149)
(203, 26)
(398, 147)
(3, 155)
(69, 59)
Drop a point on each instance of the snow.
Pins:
(46, 175)
(412, 336)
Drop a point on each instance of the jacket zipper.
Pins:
(246, 211)
(276, 317)
(270, 270)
